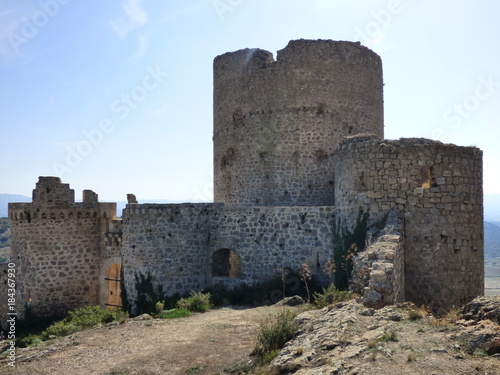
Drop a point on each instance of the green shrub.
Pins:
(274, 333)
(389, 336)
(330, 295)
(76, 320)
(174, 313)
(196, 302)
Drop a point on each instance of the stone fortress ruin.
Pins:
(300, 163)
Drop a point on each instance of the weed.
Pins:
(174, 313)
(298, 352)
(415, 315)
(479, 352)
(305, 276)
(118, 371)
(238, 369)
(411, 357)
(373, 357)
(194, 370)
(196, 302)
(76, 320)
(160, 305)
(420, 330)
(389, 336)
(274, 333)
(372, 344)
(329, 296)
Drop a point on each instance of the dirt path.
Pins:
(205, 344)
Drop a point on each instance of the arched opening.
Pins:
(113, 286)
(225, 262)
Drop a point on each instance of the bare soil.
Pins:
(205, 343)
(338, 341)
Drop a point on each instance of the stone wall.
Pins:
(182, 246)
(267, 238)
(439, 188)
(378, 272)
(56, 246)
(170, 243)
(276, 123)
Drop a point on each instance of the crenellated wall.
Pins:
(56, 246)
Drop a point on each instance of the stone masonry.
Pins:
(276, 123)
(298, 154)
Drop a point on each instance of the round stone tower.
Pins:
(438, 187)
(276, 123)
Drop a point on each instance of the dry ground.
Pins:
(214, 341)
(205, 343)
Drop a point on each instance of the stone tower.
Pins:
(58, 248)
(276, 123)
(438, 188)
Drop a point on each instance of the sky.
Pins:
(116, 96)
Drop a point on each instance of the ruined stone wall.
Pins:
(439, 188)
(378, 272)
(276, 123)
(169, 242)
(177, 244)
(56, 246)
(267, 238)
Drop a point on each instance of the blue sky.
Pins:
(116, 96)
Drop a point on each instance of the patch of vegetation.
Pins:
(274, 333)
(76, 320)
(196, 302)
(389, 336)
(479, 352)
(148, 296)
(4, 232)
(174, 313)
(415, 314)
(119, 371)
(194, 370)
(330, 295)
(411, 357)
(238, 369)
(286, 283)
(347, 244)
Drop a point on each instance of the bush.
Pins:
(389, 336)
(330, 295)
(274, 333)
(174, 313)
(415, 314)
(196, 302)
(76, 320)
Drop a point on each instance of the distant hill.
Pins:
(5, 199)
(491, 240)
(492, 207)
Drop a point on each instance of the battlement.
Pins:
(51, 192)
